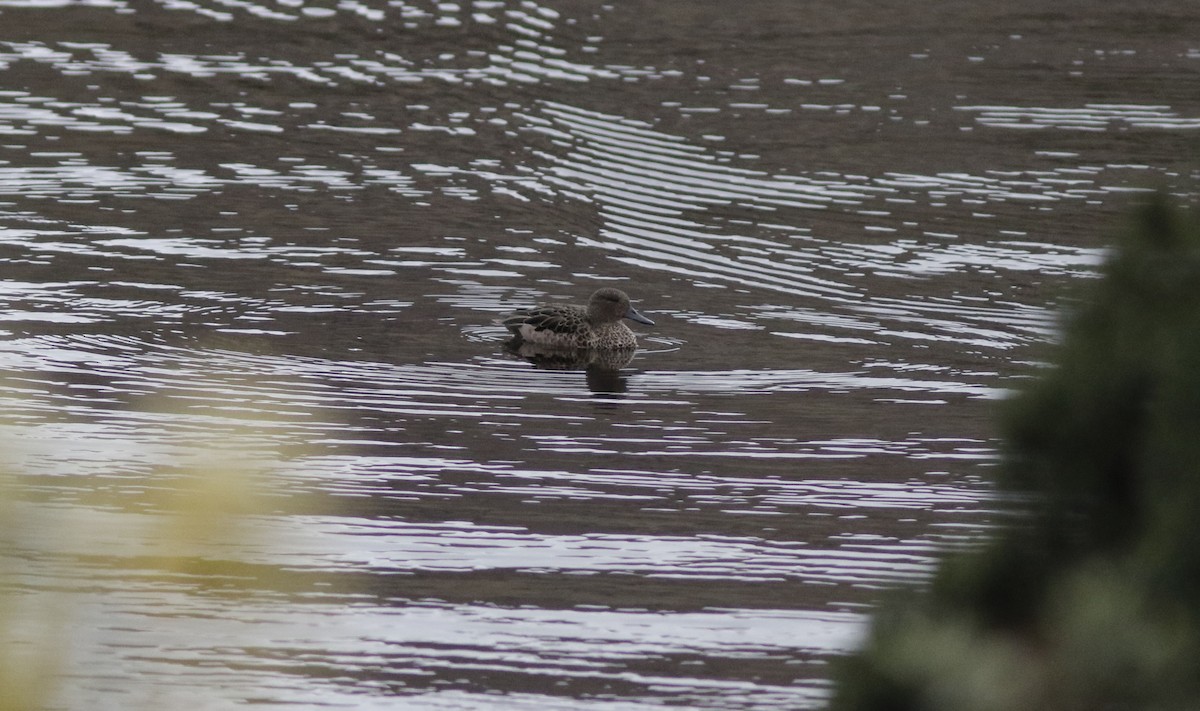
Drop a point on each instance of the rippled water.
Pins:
(290, 227)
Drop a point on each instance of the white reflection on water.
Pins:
(208, 641)
(654, 190)
(1090, 117)
(528, 55)
(394, 547)
(399, 650)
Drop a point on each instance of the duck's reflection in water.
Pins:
(601, 366)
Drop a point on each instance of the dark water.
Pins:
(280, 233)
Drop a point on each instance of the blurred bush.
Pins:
(175, 525)
(1091, 598)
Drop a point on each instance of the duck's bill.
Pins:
(635, 315)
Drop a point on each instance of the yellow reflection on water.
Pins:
(66, 536)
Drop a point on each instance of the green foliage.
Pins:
(1091, 600)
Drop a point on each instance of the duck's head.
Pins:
(609, 305)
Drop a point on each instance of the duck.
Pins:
(595, 326)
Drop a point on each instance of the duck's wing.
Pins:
(555, 319)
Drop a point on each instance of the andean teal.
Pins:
(597, 325)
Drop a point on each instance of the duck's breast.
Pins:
(614, 335)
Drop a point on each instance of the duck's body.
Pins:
(595, 326)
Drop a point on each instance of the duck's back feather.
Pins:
(556, 325)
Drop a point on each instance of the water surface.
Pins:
(277, 236)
